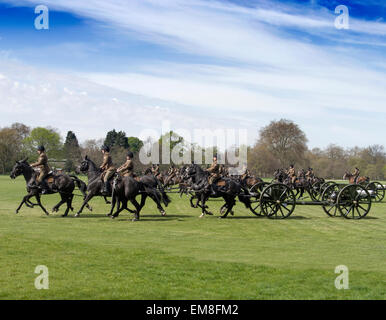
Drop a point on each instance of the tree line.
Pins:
(280, 144)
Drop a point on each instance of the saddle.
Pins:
(220, 183)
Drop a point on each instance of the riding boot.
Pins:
(106, 188)
(212, 190)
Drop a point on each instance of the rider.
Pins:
(108, 169)
(356, 174)
(214, 171)
(245, 173)
(310, 174)
(155, 170)
(292, 173)
(42, 164)
(127, 169)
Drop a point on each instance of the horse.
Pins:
(226, 188)
(351, 178)
(95, 182)
(300, 185)
(62, 184)
(127, 188)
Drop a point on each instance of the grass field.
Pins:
(183, 257)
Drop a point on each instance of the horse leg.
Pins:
(40, 204)
(86, 200)
(156, 199)
(106, 200)
(137, 209)
(229, 204)
(69, 205)
(25, 200)
(203, 210)
(64, 199)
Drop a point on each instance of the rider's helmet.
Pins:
(41, 148)
(130, 154)
(105, 148)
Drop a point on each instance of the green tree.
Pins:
(49, 138)
(72, 151)
(116, 139)
(135, 144)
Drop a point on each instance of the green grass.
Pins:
(183, 257)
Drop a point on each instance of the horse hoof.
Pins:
(201, 216)
(47, 214)
(112, 217)
(163, 213)
(209, 213)
(17, 211)
(135, 219)
(221, 217)
(232, 213)
(64, 215)
(77, 215)
(108, 214)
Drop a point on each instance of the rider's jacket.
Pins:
(107, 162)
(42, 163)
(127, 168)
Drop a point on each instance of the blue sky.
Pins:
(219, 64)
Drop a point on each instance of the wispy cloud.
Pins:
(269, 60)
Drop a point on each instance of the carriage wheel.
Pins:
(329, 200)
(376, 190)
(255, 192)
(354, 202)
(316, 191)
(277, 201)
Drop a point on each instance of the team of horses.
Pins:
(190, 179)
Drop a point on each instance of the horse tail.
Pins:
(80, 184)
(165, 198)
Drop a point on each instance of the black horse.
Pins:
(62, 184)
(95, 182)
(227, 188)
(127, 188)
(95, 185)
(300, 185)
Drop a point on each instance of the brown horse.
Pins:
(351, 178)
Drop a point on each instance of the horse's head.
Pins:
(85, 164)
(191, 171)
(19, 168)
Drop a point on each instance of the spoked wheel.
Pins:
(277, 201)
(255, 192)
(354, 201)
(329, 199)
(316, 191)
(376, 190)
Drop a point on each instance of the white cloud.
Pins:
(265, 74)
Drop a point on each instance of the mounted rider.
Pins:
(107, 168)
(310, 174)
(127, 169)
(291, 172)
(214, 173)
(155, 170)
(356, 174)
(245, 173)
(42, 164)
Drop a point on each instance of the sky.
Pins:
(132, 64)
